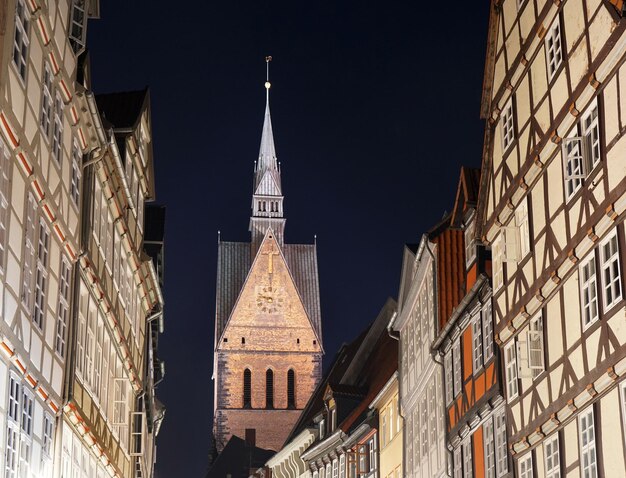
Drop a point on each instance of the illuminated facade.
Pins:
(552, 206)
(268, 335)
(73, 372)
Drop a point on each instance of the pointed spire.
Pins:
(267, 152)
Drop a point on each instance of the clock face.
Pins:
(270, 299)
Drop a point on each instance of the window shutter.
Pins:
(535, 346)
(511, 244)
(138, 421)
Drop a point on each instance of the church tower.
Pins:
(268, 333)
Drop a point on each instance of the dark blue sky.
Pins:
(374, 109)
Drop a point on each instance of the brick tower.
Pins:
(268, 333)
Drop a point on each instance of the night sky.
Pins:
(374, 110)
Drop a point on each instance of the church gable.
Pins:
(269, 314)
(268, 186)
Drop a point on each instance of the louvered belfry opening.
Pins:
(247, 389)
(291, 389)
(269, 389)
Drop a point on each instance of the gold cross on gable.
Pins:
(271, 253)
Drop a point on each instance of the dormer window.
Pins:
(470, 242)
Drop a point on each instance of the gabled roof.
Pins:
(122, 109)
(234, 261)
(466, 193)
(238, 458)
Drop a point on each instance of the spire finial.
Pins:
(267, 77)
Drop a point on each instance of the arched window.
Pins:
(291, 389)
(247, 389)
(269, 389)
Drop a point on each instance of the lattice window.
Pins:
(490, 449)
(342, 466)
(610, 269)
(587, 440)
(477, 343)
(21, 39)
(508, 126)
(78, 24)
(589, 290)
(554, 49)
(487, 319)
(525, 466)
(468, 470)
(574, 164)
(552, 456)
(510, 364)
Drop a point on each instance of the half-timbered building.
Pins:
(552, 206)
(45, 132)
(475, 414)
(429, 289)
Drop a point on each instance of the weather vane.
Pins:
(267, 72)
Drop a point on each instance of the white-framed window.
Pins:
(57, 128)
(523, 226)
(554, 49)
(535, 346)
(13, 427)
(62, 307)
(508, 126)
(574, 165)
(447, 366)
(551, 455)
(456, 365)
(489, 448)
(477, 343)
(77, 159)
(510, 367)
(457, 463)
(48, 435)
(610, 271)
(588, 290)
(21, 39)
(468, 469)
(120, 409)
(525, 466)
(502, 454)
(342, 466)
(328, 470)
(335, 468)
(587, 439)
(590, 128)
(424, 425)
(5, 186)
(470, 242)
(432, 414)
(46, 101)
(138, 421)
(487, 318)
(29, 252)
(43, 245)
(497, 249)
(77, 27)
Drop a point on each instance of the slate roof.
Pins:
(233, 264)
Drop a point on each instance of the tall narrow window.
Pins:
(574, 164)
(591, 133)
(508, 126)
(502, 464)
(78, 22)
(5, 167)
(456, 365)
(611, 277)
(487, 316)
(490, 449)
(554, 51)
(588, 291)
(457, 463)
(247, 389)
(57, 129)
(477, 340)
(46, 101)
(48, 434)
(587, 439)
(75, 179)
(62, 308)
(510, 364)
(29, 251)
(269, 388)
(291, 389)
(497, 250)
(470, 242)
(523, 226)
(468, 470)
(43, 245)
(551, 454)
(20, 39)
(13, 428)
(535, 346)
(447, 366)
